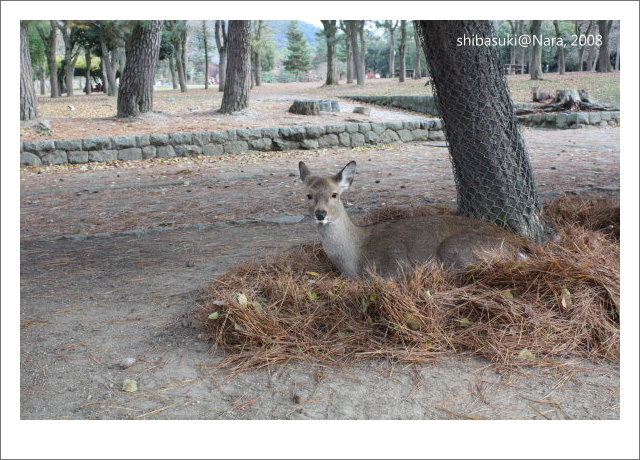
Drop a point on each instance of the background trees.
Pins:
(298, 58)
(330, 34)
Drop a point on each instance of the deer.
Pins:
(389, 248)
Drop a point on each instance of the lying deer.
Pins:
(391, 246)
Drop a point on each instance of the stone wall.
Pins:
(570, 120)
(421, 104)
(102, 149)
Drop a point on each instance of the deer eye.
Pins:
(334, 195)
(309, 196)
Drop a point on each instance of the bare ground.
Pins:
(113, 257)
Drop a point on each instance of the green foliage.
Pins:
(298, 59)
(37, 48)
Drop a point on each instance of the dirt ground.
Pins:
(113, 258)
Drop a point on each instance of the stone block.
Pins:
(328, 140)
(188, 150)
(371, 137)
(130, 154)
(357, 139)
(405, 135)
(264, 144)
(364, 127)
(594, 118)
(437, 135)
(410, 125)
(394, 125)
(314, 132)
(270, 132)
(78, 156)
(352, 128)
(218, 137)
(38, 147)
(420, 134)
(213, 149)
(103, 155)
(389, 137)
(180, 138)
(336, 129)
(68, 144)
(57, 157)
(142, 140)
(562, 121)
(159, 139)
(236, 147)
(30, 159)
(148, 152)
(344, 139)
(165, 151)
(309, 144)
(378, 128)
(201, 139)
(123, 142)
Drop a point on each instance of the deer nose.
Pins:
(320, 214)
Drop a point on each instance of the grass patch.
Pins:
(562, 302)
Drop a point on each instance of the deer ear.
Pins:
(345, 177)
(304, 171)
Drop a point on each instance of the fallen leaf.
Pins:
(242, 299)
(214, 315)
(129, 385)
(527, 355)
(465, 322)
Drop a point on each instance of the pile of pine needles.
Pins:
(562, 302)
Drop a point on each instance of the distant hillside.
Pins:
(280, 32)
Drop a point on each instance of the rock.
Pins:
(366, 111)
(127, 362)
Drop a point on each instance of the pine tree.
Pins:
(298, 59)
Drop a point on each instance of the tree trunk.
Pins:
(236, 91)
(617, 65)
(392, 52)
(172, 69)
(221, 44)
(355, 49)
(403, 51)
(330, 29)
(51, 59)
(28, 101)
(561, 66)
(108, 67)
(87, 73)
(138, 76)
(513, 49)
(535, 69)
(42, 79)
(417, 71)
(363, 49)
(349, 60)
(491, 165)
(69, 58)
(206, 55)
(604, 61)
(177, 46)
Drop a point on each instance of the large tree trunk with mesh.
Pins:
(28, 103)
(238, 78)
(490, 161)
(135, 95)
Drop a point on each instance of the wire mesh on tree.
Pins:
(491, 165)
